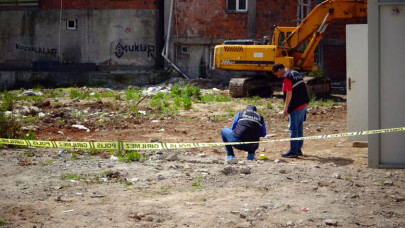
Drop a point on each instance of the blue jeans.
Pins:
(227, 136)
(296, 120)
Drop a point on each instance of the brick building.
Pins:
(197, 26)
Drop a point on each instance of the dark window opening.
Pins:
(71, 24)
(236, 6)
(18, 3)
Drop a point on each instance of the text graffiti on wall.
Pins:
(121, 49)
(37, 50)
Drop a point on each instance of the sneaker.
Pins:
(250, 157)
(300, 153)
(230, 157)
(289, 154)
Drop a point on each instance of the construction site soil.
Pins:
(330, 185)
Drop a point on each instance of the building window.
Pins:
(303, 9)
(236, 6)
(184, 50)
(18, 3)
(71, 24)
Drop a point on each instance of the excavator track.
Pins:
(250, 86)
(261, 86)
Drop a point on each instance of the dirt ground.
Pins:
(329, 186)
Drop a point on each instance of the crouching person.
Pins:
(248, 126)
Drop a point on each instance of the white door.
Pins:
(357, 79)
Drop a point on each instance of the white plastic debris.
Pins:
(133, 180)
(113, 158)
(155, 121)
(81, 127)
(68, 211)
(41, 114)
(104, 179)
(142, 112)
(60, 132)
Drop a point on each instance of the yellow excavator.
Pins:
(292, 46)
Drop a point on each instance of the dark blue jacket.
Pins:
(248, 126)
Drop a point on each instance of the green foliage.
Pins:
(215, 98)
(175, 91)
(97, 96)
(187, 103)
(8, 101)
(10, 127)
(109, 93)
(73, 156)
(2, 223)
(56, 93)
(131, 156)
(269, 106)
(73, 176)
(190, 91)
(197, 184)
(317, 74)
(314, 101)
(347, 178)
(160, 103)
(382, 181)
(231, 113)
(133, 94)
(29, 136)
(29, 153)
(220, 117)
(45, 163)
(75, 93)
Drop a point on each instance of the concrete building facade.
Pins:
(79, 35)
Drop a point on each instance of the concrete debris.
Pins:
(360, 144)
(30, 93)
(172, 157)
(245, 170)
(62, 153)
(331, 222)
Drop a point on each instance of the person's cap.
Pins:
(277, 67)
(251, 107)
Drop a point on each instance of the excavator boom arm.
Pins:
(321, 15)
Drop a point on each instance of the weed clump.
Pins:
(10, 127)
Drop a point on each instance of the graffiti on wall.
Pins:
(37, 50)
(121, 49)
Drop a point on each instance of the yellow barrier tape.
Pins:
(170, 146)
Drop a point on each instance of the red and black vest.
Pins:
(299, 90)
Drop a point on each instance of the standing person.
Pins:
(248, 126)
(295, 106)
